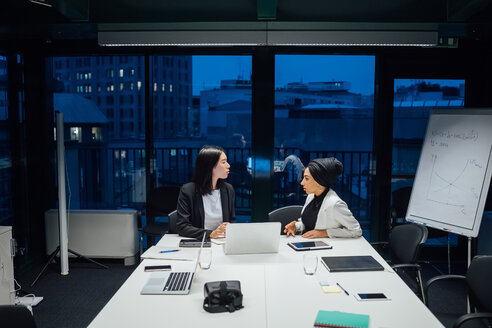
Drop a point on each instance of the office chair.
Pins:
(173, 220)
(400, 199)
(16, 316)
(160, 202)
(405, 242)
(476, 284)
(285, 215)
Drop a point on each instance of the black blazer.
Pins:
(191, 215)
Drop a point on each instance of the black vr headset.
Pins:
(222, 296)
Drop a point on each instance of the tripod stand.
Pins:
(55, 253)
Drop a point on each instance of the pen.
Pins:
(342, 289)
(170, 251)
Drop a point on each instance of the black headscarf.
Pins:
(325, 171)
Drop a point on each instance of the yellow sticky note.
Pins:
(331, 289)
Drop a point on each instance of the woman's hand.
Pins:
(315, 234)
(220, 231)
(290, 229)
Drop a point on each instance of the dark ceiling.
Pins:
(45, 19)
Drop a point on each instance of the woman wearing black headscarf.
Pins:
(324, 214)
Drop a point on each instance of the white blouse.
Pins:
(213, 210)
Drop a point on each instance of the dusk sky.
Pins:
(358, 70)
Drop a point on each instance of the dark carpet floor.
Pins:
(73, 300)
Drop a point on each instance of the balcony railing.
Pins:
(115, 177)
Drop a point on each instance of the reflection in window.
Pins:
(324, 106)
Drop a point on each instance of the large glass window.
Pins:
(324, 106)
(202, 100)
(5, 154)
(413, 100)
(196, 100)
(104, 129)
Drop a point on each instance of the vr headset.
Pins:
(222, 296)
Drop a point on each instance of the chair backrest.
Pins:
(173, 219)
(478, 279)
(405, 242)
(16, 316)
(285, 215)
(161, 201)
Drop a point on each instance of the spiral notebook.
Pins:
(341, 319)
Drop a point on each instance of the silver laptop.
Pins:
(252, 238)
(172, 283)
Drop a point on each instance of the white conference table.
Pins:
(276, 292)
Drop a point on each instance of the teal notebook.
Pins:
(340, 319)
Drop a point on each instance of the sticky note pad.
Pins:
(329, 288)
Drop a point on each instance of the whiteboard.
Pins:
(453, 175)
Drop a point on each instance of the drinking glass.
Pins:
(310, 262)
(205, 259)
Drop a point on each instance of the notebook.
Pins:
(341, 319)
(171, 283)
(351, 263)
(252, 238)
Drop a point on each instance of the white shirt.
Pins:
(213, 210)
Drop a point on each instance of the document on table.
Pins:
(159, 253)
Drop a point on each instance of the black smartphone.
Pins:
(151, 268)
(371, 297)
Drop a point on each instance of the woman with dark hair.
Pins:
(324, 213)
(207, 203)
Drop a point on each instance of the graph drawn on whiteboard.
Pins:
(454, 186)
(454, 172)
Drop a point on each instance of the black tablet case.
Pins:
(351, 263)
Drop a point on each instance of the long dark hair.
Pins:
(207, 159)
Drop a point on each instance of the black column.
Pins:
(262, 132)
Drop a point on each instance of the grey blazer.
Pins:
(191, 215)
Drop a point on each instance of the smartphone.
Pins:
(371, 297)
(152, 268)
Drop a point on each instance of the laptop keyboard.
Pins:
(177, 281)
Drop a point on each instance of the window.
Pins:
(220, 114)
(412, 101)
(324, 107)
(102, 179)
(96, 134)
(76, 134)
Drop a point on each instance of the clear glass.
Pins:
(205, 260)
(310, 262)
(324, 107)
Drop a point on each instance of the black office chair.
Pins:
(450, 308)
(285, 215)
(477, 284)
(404, 245)
(160, 202)
(16, 316)
(400, 199)
(173, 220)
